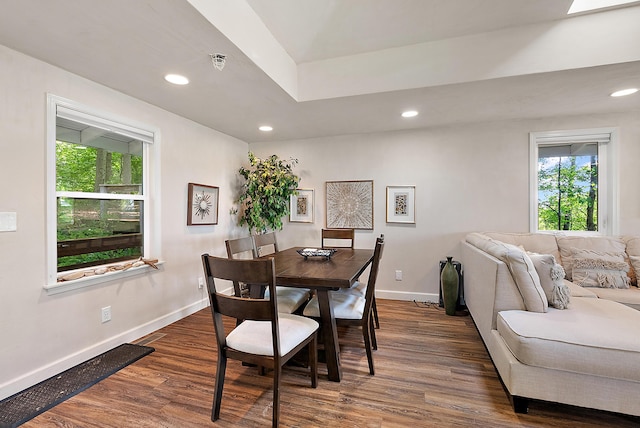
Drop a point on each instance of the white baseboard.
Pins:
(24, 381)
(408, 296)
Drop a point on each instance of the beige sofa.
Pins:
(587, 354)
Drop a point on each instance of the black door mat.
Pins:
(26, 405)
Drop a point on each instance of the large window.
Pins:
(99, 193)
(573, 181)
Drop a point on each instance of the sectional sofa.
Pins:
(559, 316)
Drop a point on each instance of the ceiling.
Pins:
(315, 68)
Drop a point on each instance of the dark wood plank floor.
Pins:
(431, 370)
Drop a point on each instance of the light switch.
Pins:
(8, 222)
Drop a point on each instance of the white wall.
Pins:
(467, 178)
(43, 334)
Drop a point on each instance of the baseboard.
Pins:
(407, 296)
(24, 381)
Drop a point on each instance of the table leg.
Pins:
(330, 335)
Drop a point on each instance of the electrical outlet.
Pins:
(8, 222)
(200, 282)
(398, 275)
(106, 314)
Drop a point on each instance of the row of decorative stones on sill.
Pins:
(104, 269)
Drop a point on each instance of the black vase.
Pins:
(449, 284)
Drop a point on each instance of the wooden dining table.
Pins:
(323, 275)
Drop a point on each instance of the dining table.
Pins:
(322, 275)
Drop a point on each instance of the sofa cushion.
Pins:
(577, 291)
(552, 280)
(521, 268)
(597, 243)
(594, 337)
(629, 296)
(600, 269)
(541, 243)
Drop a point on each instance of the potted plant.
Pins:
(264, 197)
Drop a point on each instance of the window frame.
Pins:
(151, 139)
(608, 209)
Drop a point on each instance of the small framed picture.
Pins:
(301, 206)
(401, 204)
(202, 205)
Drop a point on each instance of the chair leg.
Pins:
(277, 371)
(375, 313)
(366, 333)
(313, 361)
(374, 340)
(217, 392)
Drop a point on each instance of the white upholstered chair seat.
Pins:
(345, 306)
(358, 288)
(289, 298)
(254, 337)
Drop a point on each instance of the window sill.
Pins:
(88, 281)
(584, 233)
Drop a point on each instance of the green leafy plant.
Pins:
(265, 195)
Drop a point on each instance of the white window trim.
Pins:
(608, 175)
(151, 197)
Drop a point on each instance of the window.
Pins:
(98, 209)
(572, 181)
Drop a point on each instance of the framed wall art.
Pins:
(202, 205)
(401, 204)
(350, 204)
(301, 206)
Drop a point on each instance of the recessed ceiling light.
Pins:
(410, 113)
(266, 128)
(624, 92)
(176, 79)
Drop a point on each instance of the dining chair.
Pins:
(265, 337)
(290, 299)
(240, 248)
(361, 288)
(338, 238)
(351, 309)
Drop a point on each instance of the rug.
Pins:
(26, 405)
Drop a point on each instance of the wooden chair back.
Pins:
(265, 243)
(338, 238)
(260, 272)
(240, 248)
(373, 277)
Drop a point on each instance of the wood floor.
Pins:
(431, 370)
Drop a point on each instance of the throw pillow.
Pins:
(566, 244)
(521, 268)
(633, 250)
(600, 269)
(526, 278)
(552, 280)
(635, 265)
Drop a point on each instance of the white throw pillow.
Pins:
(566, 244)
(526, 278)
(521, 268)
(635, 266)
(552, 280)
(600, 269)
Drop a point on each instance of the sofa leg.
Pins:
(520, 404)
